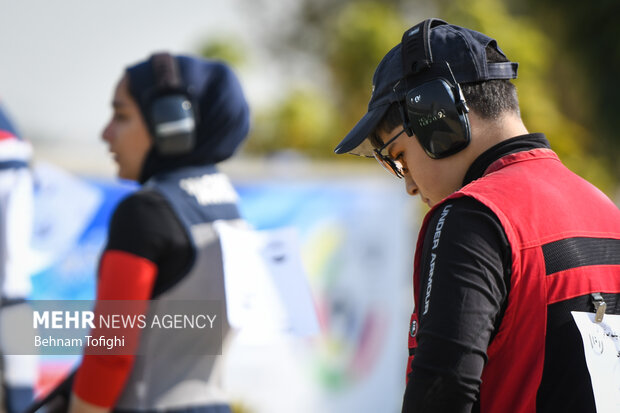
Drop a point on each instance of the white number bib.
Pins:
(601, 346)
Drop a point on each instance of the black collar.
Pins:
(512, 145)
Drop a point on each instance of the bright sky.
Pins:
(60, 59)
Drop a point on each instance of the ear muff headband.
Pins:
(435, 110)
(171, 115)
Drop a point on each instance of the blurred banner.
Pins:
(357, 237)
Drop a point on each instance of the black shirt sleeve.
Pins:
(144, 224)
(464, 283)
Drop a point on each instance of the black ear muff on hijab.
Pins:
(194, 108)
(434, 111)
(170, 114)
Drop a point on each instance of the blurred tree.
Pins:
(361, 34)
(228, 49)
(343, 41)
(548, 81)
(587, 60)
(303, 121)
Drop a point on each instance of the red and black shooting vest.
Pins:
(561, 230)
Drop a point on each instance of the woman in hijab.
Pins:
(174, 118)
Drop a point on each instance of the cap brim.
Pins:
(355, 141)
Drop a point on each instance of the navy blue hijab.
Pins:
(223, 119)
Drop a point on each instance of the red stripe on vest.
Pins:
(572, 283)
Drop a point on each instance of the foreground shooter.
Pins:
(513, 242)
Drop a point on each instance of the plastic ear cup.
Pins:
(171, 117)
(173, 124)
(440, 126)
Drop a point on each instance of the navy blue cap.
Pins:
(463, 49)
(223, 115)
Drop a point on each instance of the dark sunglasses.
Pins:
(391, 165)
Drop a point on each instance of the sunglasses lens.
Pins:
(392, 167)
(398, 169)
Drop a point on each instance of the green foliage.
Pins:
(361, 35)
(587, 60)
(539, 86)
(228, 50)
(304, 121)
(348, 43)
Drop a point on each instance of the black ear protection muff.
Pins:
(171, 116)
(434, 110)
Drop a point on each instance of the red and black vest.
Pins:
(561, 230)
